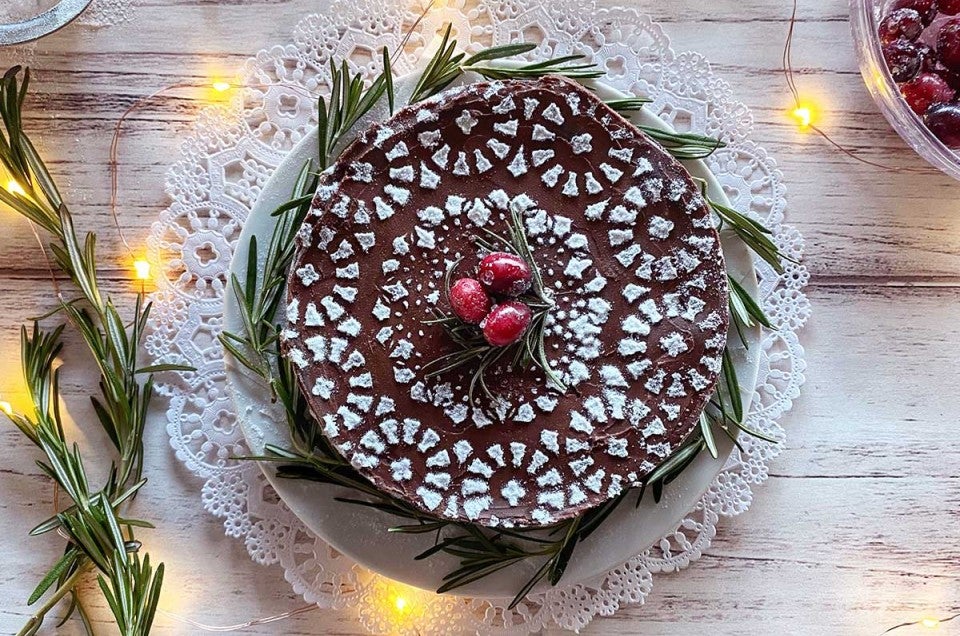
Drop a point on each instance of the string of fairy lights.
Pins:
(395, 599)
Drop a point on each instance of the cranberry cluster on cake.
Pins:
(508, 304)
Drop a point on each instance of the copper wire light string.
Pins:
(926, 622)
(232, 628)
(788, 73)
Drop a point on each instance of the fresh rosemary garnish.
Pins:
(745, 313)
(260, 296)
(753, 234)
(447, 64)
(684, 146)
(473, 350)
(556, 66)
(98, 536)
(348, 103)
(628, 104)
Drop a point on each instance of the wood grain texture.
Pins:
(857, 528)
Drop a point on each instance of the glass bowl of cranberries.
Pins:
(909, 54)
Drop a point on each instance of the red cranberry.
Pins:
(926, 8)
(948, 44)
(903, 23)
(949, 7)
(469, 300)
(943, 120)
(925, 90)
(951, 78)
(903, 59)
(504, 273)
(506, 324)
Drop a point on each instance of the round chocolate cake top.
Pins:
(629, 303)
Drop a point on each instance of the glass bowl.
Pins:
(865, 16)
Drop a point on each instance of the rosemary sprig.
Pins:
(441, 70)
(628, 104)
(348, 102)
(446, 65)
(684, 146)
(557, 66)
(260, 296)
(97, 535)
(744, 310)
(753, 234)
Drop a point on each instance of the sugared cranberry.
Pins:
(951, 78)
(903, 59)
(506, 324)
(943, 120)
(903, 23)
(925, 90)
(948, 44)
(928, 59)
(949, 7)
(504, 273)
(469, 300)
(926, 8)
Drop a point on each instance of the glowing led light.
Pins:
(142, 269)
(400, 603)
(803, 114)
(6, 408)
(930, 623)
(221, 87)
(15, 188)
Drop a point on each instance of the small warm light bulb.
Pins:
(803, 114)
(930, 623)
(400, 603)
(221, 87)
(6, 408)
(142, 269)
(15, 188)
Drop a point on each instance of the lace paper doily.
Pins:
(233, 151)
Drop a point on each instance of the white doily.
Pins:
(233, 151)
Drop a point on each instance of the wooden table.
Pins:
(857, 528)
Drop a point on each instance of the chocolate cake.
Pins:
(633, 325)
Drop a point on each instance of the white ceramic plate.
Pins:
(360, 532)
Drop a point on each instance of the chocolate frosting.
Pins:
(625, 244)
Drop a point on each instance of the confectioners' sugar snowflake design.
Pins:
(629, 260)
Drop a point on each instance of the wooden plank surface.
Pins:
(857, 528)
